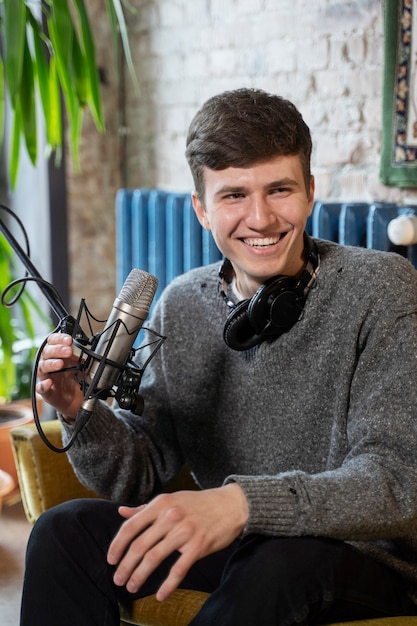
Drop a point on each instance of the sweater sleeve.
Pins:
(126, 457)
(372, 494)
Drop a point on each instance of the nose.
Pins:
(260, 214)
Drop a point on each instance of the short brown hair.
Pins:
(244, 127)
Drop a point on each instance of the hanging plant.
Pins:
(49, 54)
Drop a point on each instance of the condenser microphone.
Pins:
(106, 365)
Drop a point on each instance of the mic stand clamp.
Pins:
(127, 394)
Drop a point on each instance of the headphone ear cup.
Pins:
(238, 332)
(275, 307)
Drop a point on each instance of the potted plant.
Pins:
(47, 49)
(18, 347)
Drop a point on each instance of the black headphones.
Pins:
(274, 309)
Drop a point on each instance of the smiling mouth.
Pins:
(263, 242)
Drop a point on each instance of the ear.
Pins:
(200, 211)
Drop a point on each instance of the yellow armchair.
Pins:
(47, 479)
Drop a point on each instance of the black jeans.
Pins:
(258, 581)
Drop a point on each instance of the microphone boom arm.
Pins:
(67, 323)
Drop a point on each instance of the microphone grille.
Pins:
(139, 289)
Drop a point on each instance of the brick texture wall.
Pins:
(326, 56)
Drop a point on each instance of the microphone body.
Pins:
(107, 363)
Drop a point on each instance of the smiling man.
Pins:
(286, 383)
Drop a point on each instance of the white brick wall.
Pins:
(324, 55)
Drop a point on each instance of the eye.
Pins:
(236, 195)
(280, 190)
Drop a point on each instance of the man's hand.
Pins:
(59, 389)
(194, 523)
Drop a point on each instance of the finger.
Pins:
(176, 575)
(57, 350)
(43, 386)
(127, 532)
(189, 554)
(47, 366)
(148, 549)
(139, 564)
(60, 338)
(54, 358)
(127, 511)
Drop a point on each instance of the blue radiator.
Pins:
(157, 231)
(360, 224)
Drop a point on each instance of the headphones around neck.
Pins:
(274, 309)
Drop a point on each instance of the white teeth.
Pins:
(262, 242)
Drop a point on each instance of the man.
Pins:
(287, 384)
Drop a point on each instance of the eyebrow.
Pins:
(282, 182)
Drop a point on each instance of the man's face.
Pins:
(257, 216)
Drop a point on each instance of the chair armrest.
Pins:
(46, 478)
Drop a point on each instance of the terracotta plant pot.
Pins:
(11, 415)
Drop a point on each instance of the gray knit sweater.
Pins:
(319, 427)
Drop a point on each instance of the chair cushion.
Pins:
(177, 610)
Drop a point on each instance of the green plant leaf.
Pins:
(114, 28)
(28, 105)
(7, 331)
(15, 145)
(61, 31)
(80, 72)
(14, 44)
(94, 97)
(26, 306)
(41, 67)
(54, 123)
(2, 101)
(49, 86)
(116, 15)
(75, 133)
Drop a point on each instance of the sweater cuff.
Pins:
(95, 426)
(275, 504)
